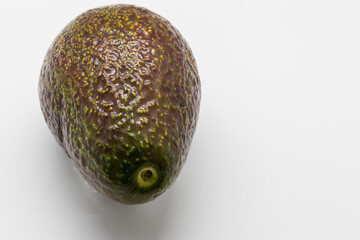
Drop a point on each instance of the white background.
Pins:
(276, 151)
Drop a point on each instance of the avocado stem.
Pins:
(147, 177)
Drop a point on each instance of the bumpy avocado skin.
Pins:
(119, 89)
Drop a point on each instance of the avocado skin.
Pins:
(119, 89)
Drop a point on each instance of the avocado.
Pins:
(120, 91)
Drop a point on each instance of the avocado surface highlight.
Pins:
(120, 91)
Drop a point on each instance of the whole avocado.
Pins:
(120, 91)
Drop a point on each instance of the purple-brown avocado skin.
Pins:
(120, 91)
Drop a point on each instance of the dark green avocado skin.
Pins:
(119, 89)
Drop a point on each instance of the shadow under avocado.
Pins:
(113, 219)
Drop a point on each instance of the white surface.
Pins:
(276, 152)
